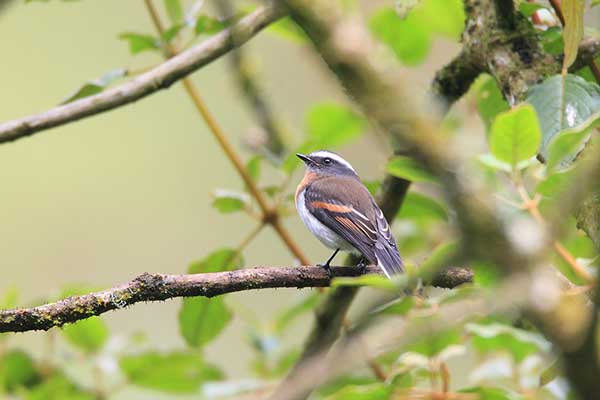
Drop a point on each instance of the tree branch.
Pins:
(158, 287)
(158, 78)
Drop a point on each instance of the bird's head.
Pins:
(327, 163)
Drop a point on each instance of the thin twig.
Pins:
(269, 214)
(531, 205)
(146, 84)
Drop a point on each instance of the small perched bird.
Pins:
(339, 210)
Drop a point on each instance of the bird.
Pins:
(338, 209)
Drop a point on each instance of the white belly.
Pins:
(328, 237)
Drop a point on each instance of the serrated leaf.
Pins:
(202, 319)
(140, 42)
(407, 168)
(498, 337)
(175, 372)
(515, 135)
(564, 103)
(227, 201)
(174, 10)
(573, 30)
(89, 335)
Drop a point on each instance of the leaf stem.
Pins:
(531, 205)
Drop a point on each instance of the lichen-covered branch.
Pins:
(158, 78)
(157, 287)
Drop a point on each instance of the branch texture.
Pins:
(158, 78)
(157, 287)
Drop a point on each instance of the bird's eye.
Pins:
(327, 161)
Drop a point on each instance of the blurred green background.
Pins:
(102, 200)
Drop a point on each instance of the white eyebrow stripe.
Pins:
(323, 153)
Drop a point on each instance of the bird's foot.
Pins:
(362, 265)
(327, 269)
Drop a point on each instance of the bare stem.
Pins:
(269, 213)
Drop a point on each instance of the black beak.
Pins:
(304, 158)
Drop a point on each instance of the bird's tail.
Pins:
(388, 258)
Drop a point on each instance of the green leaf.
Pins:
(174, 10)
(253, 167)
(573, 29)
(400, 306)
(563, 149)
(408, 168)
(433, 344)
(58, 387)
(171, 33)
(373, 391)
(442, 17)
(96, 86)
(17, 369)
(89, 334)
(287, 28)
(552, 40)
(202, 319)
(224, 259)
(140, 42)
(175, 372)
(555, 184)
(498, 337)
(422, 208)
(489, 99)
(9, 299)
(208, 25)
(228, 201)
(528, 9)
(564, 103)
(330, 124)
(377, 281)
(409, 38)
(515, 135)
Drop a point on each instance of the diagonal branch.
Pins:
(158, 78)
(158, 287)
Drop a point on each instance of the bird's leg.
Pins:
(362, 264)
(326, 265)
